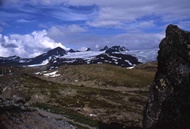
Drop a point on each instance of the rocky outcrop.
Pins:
(169, 102)
(104, 49)
(114, 49)
(15, 110)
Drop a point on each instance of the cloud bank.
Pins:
(29, 45)
(135, 24)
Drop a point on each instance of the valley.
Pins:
(87, 96)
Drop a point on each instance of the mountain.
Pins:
(104, 49)
(116, 49)
(39, 60)
(12, 60)
(57, 52)
(88, 49)
(169, 101)
(116, 55)
(95, 58)
(72, 51)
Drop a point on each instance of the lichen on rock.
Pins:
(169, 102)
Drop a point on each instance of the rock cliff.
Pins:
(169, 102)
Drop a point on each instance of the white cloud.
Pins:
(139, 26)
(138, 40)
(185, 25)
(132, 40)
(82, 49)
(110, 12)
(67, 15)
(65, 30)
(97, 46)
(25, 21)
(28, 45)
(131, 16)
(65, 34)
(123, 10)
(130, 11)
(107, 23)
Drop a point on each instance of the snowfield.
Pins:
(45, 62)
(143, 56)
(84, 55)
(147, 55)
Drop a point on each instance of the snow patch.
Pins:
(52, 74)
(92, 115)
(83, 55)
(130, 67)
(128, 62)
(45, 62)
(48, 74)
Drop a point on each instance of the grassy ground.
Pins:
(90, 94)
(104, 76)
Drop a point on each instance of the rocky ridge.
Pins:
(56, 57)
(16, 111)
(169, 101)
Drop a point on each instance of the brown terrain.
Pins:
(82, 96)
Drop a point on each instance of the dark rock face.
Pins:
(104, 49)
(113, 58)
(50, 54)
(115, 49)
(88, 49)
(17, 61)
(169, 102)
(16, 113)
(72, 51)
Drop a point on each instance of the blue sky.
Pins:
(30, 27)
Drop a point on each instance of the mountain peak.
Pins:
(116, 49)
(172, 30)
(57, 51)
(104, 49)
(88, 49)
(71, 51)
(57, 48)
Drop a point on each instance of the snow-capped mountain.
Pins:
(115, 55)
(98, 57)
(115, 49)
(143, 56)
(39, 60)
(72, 51)
(104, 49)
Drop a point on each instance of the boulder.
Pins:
(168, 106)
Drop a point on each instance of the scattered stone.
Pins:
(38, 97)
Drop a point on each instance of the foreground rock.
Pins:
(16, 118)
(169, 103)
(15, 112)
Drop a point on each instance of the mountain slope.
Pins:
(39, 60)
(116, 55)
(114, 49)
